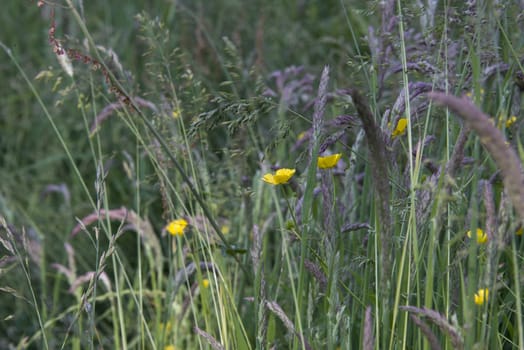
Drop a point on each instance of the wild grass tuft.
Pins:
(261, 175)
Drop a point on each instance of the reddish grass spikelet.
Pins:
(133, 222)
(108, 110)
(439, 320)
(317, 272)
(291, 85)
(210, 339)
(277, 310)
(58, 188)
(115, 214)
(428, 333)
(95, 65)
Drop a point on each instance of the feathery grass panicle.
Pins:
(115, 106)
(94, 63)
(6, 242)
(355, 226)
(428, 333)
(306, 201)
(277, 310)
(457, 156)
(215, 345)
(429, 195)
(256, 248)
(495, 143)
(317, 272)
(260, 284)
(318, 114)
(328, 205)
(380, 170)
(383, 49)
(489, 204)
(439, 320)
(368, 339)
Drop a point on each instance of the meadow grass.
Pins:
(261, 175)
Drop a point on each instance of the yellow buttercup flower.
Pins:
(400, 129)
(470, 93)
(482, 237)
(481, 296)
(176, 113)
(281, 176)
(301, 135)
(511, 120)
(328, 161)
(205, 283)
(225, 229)
(166, 327)
(176, 227)
(169, 347)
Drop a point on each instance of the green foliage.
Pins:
(177, 110)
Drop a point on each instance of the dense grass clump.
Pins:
(256, 175)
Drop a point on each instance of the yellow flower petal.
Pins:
(281, 176)
(176, 113)
(511, 120)
(205, 283)
(225, 229)
(270, 179)
(481, 296)
(176, 227)
(328, 161)
(301, 135)
(400, 128)
(166, 327)
(481, 236)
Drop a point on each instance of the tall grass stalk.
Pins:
(186, 112)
